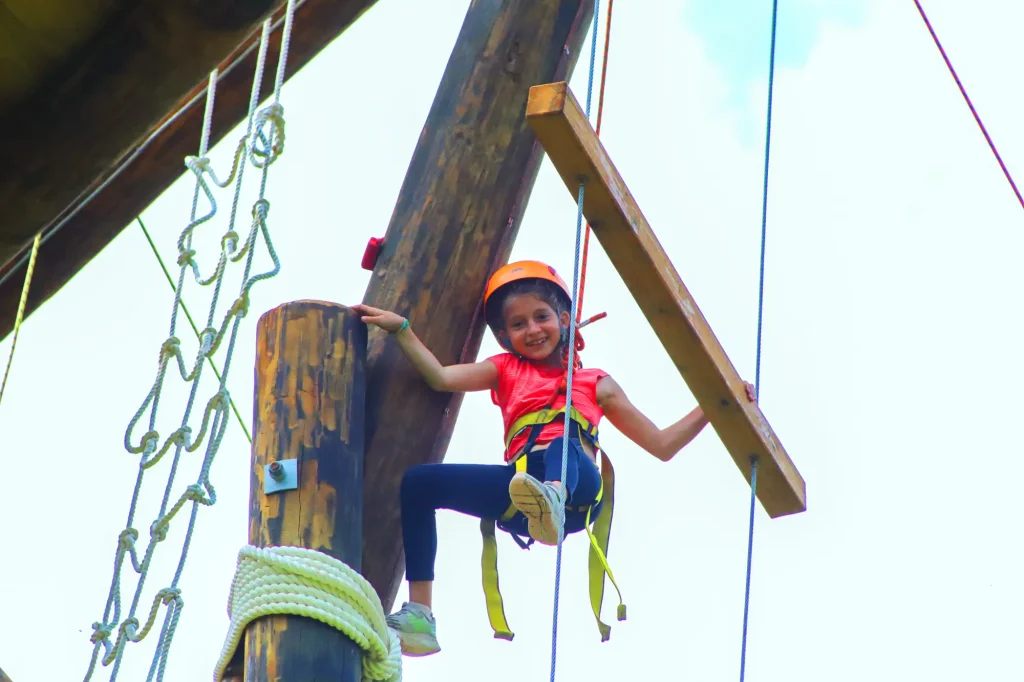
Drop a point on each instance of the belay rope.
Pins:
(571, 365)
(760, 317)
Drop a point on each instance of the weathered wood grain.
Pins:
(457, 215)
(619, 225)
(309, 406)
(155, 150)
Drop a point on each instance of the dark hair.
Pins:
(542, 289)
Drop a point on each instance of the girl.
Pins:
(527, 306)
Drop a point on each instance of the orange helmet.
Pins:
(515, 272)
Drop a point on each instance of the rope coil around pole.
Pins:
(305, 582)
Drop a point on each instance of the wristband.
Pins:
(405, 325)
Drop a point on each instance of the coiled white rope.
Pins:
(305, 582)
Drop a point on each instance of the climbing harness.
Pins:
(263, 138)
(306, 582)
(599, 536)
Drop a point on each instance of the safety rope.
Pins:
(191, 322)
(262, 138)
(20, 316)
(760, 318)
(597, 131)
(970, 105)
(305, 582)
(571, 365)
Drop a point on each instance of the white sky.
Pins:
(891, 352)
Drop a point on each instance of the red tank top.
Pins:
(525, 387)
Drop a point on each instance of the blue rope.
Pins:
(760, 318)
(750, 551)
(764, 198)
(572, 355)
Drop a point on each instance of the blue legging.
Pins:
(481, 490)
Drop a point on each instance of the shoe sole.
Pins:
(417, 644)
(531, 501)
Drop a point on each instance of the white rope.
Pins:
(116, 629)
(305, 582)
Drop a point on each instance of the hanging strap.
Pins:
(598, 537)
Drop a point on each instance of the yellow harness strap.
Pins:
(599, 537)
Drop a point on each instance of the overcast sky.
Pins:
(891, 356)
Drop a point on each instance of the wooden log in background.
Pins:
(309, 406)
(455, 221)
(155, 163)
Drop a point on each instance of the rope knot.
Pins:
(241, 305)
(158, 529)
(129, 628)
(206, 339)
(260, 209)
(127, 538)
(101, 632)
(170, 348)
(194, 492)
(229, 242)
(185, 257)
(267, 147)
(168, 594)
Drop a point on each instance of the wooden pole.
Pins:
(4, 677)
(456, 219)
(308, 411)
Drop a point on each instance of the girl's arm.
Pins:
(662, 443)
(477, 376)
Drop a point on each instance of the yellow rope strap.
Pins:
(21, 308)
(599, 536)
(305, 582)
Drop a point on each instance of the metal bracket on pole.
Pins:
(281, 475)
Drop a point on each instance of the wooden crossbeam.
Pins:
(617, 222)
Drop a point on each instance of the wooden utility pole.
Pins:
(455, 221)
(306, 488)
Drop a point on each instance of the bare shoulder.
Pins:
(608, 390)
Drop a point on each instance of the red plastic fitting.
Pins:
(372, 252)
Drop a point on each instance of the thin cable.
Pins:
(764, 197)
(571, 364)
(760, 320)
(970, 105)
(750, 553)
(597, 130)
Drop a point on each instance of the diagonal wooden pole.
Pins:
(455, 221)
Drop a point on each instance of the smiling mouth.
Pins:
(536, 344)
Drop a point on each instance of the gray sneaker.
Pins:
(416, 629)
(541, 504)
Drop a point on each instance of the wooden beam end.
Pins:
(548, 99)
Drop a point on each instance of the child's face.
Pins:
(532, 327)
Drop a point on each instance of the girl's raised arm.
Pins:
(662, 443)
(476, 376)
